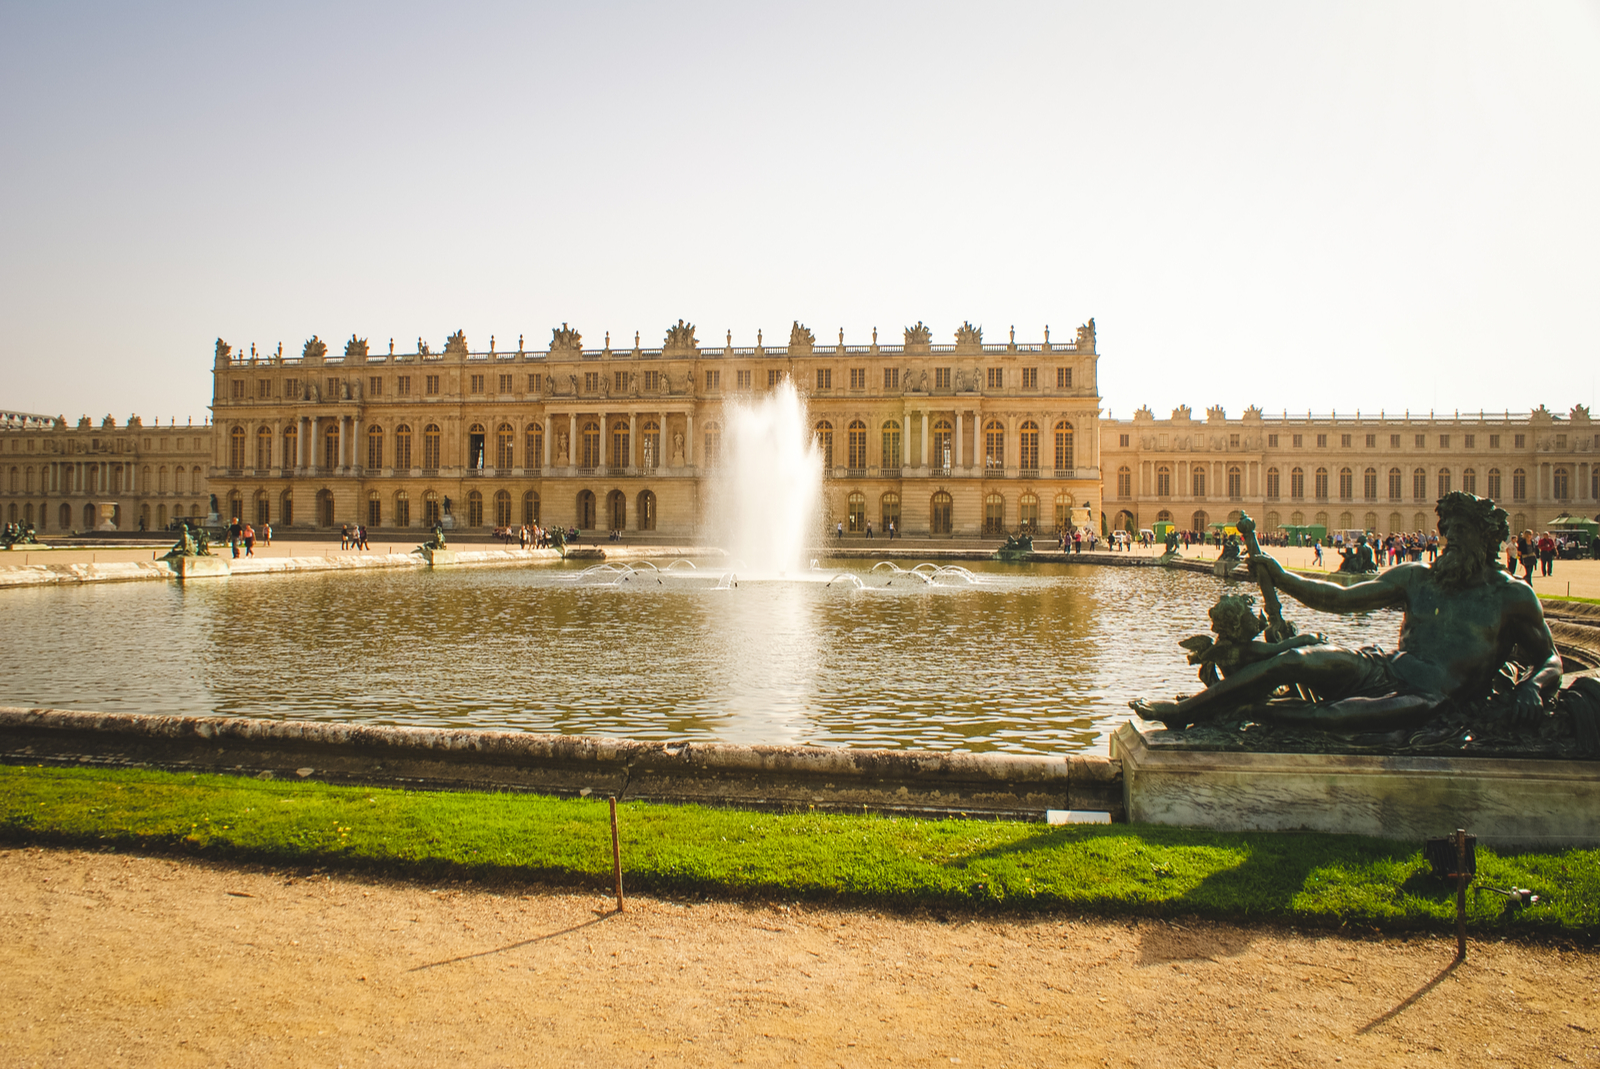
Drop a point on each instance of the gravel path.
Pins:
(117, 960)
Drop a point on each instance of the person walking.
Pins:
(249, 540)
(869, 528)
(233, 536)
(1527, 553)
(266, 534)
(1547, 554)
(344, 536)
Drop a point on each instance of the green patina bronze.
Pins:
(193, 541)
(1475, 668)
(1017, 547)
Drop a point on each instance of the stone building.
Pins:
(938, 439)
(105, 477)
(1357, 471)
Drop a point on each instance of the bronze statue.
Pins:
(1465, 621)
(1236, 646)
(1358, 558)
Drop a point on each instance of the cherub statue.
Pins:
(1237, 626)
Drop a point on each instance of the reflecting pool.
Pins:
(1029, 658)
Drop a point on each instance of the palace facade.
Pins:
(957, 439)
(89, 477)
(1380, 473)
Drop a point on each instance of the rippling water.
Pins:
(1034, 658)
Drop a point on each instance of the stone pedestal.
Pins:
(438, 558)
(448, 522)
(201, 567)
(1506, 802)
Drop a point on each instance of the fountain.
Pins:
(765, 502)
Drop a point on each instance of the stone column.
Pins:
(633, 439)
(688, 438)
(308, 445)
(547, 427)
(338, 449)
(958, 440)
(572, 439)
(923, 415)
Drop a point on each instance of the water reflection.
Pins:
(1036, 658)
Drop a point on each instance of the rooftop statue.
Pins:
(224, 350)
(681, 337)
(800, 337)
(315, 348)
(967, 334)
(919, 334)
(1475, 660)
(356, 348)
(567, 339)
(456, 343)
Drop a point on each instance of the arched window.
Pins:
(402, 448)
(586, 499)
(66, 516)
(890, 511)
(589, 457)
(646, 510)
(1124, 482)
(374, 509)
(620, 443)
(712, 455)
(1369, 523)
(177, 479)
(1347, 521)
(1199, 522)
(1197, 482)
(198, 478)
(1369, 484)
(530, 508)
(891, 445)
(994, 447)
(1419, 484)
(161, 480)
(856, 435)
(1444, 481)
(1419, 522)
(824, 438)
(474, 509)
(1469, 480)
(1274, 521)
(1395, 523)
(1064, 503)
(236, 448)
(1560, 484)
(1519, 485)
(1028, 512)
(374, 449)
(286, 507)
(1235, 482)
(856, 511)
(1297, 484)
(502, 508)
(325, 508)
(1163, 481)
(263, 448)
(431, 448)
(505, 437)
(1322, 484)
(144, 480)
(1347, 484)
(330, 448)
(943, 457)
(532, 447)
(939, 514)
(649, 451)
(1028, 446)
(291, 447)
(477, 448)
(994, 513)
(1063, 445)
(402, 509)
(430, 506)
(1272, 484)
(1492, 487)
(617, 510)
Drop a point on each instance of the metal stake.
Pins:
(1461, 894)
(616, 862)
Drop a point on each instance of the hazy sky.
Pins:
(1381, 205)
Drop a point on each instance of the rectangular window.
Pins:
(375, 386)
(1233, 441)
(1494, 441)
(591, 384)
(238, 389)
(505, 383)
(1197, 479)
(619, 381)
(1298, 441)
(742, 379)
(291, 389)
(430, 385)
(1372, 441)
(1272, 441)
(775, 376)
(402, 385)
(533, 382)
(476, 383)
(1063, 378)
(652, 381)
(824, 378)
(1421, 441)
(263, 388)
(996, 378)
(714, 380)
(941, 378)
(1030, 378)
(1469, 441)
(1322, 441)
(1444, 442)
(333, 389)
(1394, 441)
(858, 378)
(1519, 441)
(891, 378)
(1344, 441)
(1124, 441)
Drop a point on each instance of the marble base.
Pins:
(439, 558)
(1506, 802)
(201, 567)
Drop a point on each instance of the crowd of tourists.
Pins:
(533, 536)
(245, 534)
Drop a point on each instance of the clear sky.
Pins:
(1343, 205)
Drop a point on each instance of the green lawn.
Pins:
(1116, 869)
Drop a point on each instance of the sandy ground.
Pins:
(115, 960)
